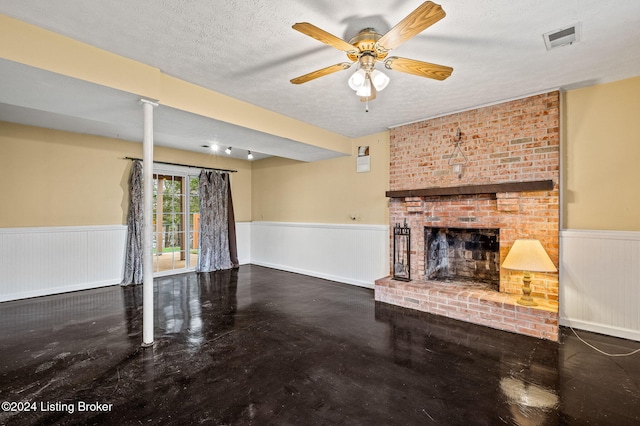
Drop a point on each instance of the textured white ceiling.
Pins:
(247, 50)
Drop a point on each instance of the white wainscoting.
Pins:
(600, 282)
(41, 261)
(352, 254)
(50, 260)
(243, 239)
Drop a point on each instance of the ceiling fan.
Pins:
(368, 47)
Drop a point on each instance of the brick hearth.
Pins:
(460, 301)
(517, 141)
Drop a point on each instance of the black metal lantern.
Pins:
(402, 252)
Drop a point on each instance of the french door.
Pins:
(176, 214)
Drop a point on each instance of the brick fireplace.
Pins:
(498, 174)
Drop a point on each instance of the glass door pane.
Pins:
(194, 221)
(171, 222)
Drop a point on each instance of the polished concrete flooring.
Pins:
(258, 346)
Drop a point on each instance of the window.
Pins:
(176, 208)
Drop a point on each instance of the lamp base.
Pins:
(527, 301)
(526, 298)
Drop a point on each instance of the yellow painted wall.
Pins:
(40, 48)
(54, 178)
(601, 159)
(601, 142)
(329, 191)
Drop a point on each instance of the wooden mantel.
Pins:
(490, 188)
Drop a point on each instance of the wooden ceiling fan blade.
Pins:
(427, 14)
(419, 68)
(323, 36)
(321, 72)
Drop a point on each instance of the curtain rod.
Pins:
(185, 165)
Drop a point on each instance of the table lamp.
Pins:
(528, 256)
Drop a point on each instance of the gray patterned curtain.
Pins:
(214, 222)
(135, 223)
(233, 243)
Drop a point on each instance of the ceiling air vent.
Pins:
(562, 36)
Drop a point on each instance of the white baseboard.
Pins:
(608, 330)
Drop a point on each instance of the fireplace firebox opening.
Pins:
(463, 254)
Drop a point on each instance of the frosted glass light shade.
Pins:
(357, 79)
(364, 90)
(362, 85)
(379, 79)
(528, 255)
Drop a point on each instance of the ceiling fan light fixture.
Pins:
(361, 81)
(364, 91)
(379, 79)
(357, 79)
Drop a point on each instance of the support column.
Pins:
(147, 263)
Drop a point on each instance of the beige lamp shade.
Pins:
(528, 255)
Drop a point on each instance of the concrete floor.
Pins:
(260, 346)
